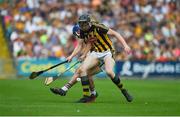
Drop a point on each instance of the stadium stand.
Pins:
(3, 48)
(43, 29)
(6, 62)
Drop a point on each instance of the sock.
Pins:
(85, 85)
(118, 83)
(66, 87)
(93, 92)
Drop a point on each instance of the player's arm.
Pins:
(77, 49)
(120, 39)
(86, 49)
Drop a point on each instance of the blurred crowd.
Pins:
(43, 28)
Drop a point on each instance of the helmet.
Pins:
(76, 30)
(84, 18)
(84, 22)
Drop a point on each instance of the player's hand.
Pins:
(127, 49)
(69, 58)
(81, 58)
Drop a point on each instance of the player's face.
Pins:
(85, 26)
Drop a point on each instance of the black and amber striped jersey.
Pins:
(97, 35)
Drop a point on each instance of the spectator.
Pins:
(150, 27)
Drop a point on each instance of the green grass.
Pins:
(31, 97)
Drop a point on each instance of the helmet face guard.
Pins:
(85, 26)
(84, 22)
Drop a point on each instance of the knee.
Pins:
(82, 71)
(77, 71)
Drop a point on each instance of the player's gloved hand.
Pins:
(127, 49)
(69, 58)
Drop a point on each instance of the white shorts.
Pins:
(101, 55)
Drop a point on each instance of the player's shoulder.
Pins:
(98, 25)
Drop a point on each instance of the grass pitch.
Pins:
(31, 97)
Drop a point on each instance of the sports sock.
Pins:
(66, 87)
(93, 92)
(85, 85)
(116, 80)
(92, 89)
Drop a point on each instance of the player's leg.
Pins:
(90, 62)
(84, 81)
(109, 67)
(74, 81)
(93, 91)
(63, 90)
(87, 64)
(95, 70)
